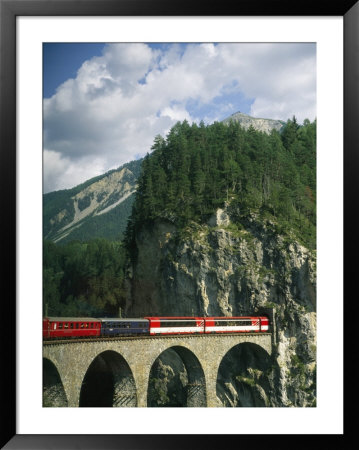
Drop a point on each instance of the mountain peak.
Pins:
(260, 124)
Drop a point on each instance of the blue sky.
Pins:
(105, 103)
(61, 61)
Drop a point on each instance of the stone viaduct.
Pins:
(128, 363)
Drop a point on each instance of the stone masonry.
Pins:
(131, 360)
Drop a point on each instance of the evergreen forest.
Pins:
(83, 278)
(198, 169)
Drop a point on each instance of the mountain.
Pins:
(97, 208)
(245, 121)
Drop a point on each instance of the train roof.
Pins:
(122, 319)
(172, 317)
(212, 317)
(239, 317)
(72, 319)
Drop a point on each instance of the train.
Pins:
(87, 327)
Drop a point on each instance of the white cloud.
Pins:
(63, 173)
(119, 101)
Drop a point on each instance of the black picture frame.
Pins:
(9, 10)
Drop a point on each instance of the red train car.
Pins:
(66, 327)
(235, 324)
(176, 325)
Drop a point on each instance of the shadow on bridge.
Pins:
(108, 382)
(53, 389)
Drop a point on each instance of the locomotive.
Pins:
(81, 327)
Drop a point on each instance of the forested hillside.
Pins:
(198, 169)
(83, 279)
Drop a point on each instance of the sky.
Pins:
(104, 103)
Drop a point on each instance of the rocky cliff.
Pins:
(227, 268)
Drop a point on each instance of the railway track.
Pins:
(131, 338)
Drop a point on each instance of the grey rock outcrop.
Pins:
(265, 125)
(226, 268)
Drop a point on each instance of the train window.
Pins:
(55, 325)
(71, 325)
(66, 325)
(81, 325)
(60, 326)
(92, 325)
(77, 325)
(179, 323)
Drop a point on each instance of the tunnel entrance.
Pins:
(108, 383)
(176, 380)
(53, 393)
(242, 379)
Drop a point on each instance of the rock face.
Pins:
(91, 200)
(102, 203)
(227, 268)
(265, 125)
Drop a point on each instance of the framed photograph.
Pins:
(181, 76)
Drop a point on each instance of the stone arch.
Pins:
(189, 379)
(108, 382)
(242, 377)
(53, 392)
